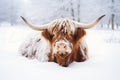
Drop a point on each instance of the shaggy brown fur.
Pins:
(70, 32)
(75, 39)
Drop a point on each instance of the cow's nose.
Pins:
(62, 47)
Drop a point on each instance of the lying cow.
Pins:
(61, 41)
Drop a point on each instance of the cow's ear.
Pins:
(79, 34)
(47, 35)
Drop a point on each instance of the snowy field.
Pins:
(103, 62)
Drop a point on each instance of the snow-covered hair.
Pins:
(61, 41)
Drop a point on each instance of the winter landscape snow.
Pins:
(103, 62)
(103, 40)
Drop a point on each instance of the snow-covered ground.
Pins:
(103, 63)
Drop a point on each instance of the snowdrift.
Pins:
(103, 62)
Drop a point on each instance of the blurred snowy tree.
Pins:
(44, 11)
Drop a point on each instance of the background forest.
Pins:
(44, 11)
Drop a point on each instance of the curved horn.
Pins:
(87, 26)
(43, 27)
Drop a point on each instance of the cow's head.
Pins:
(64, 37)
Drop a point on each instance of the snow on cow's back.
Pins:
(35, 47)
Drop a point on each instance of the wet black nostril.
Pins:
(64, 46)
